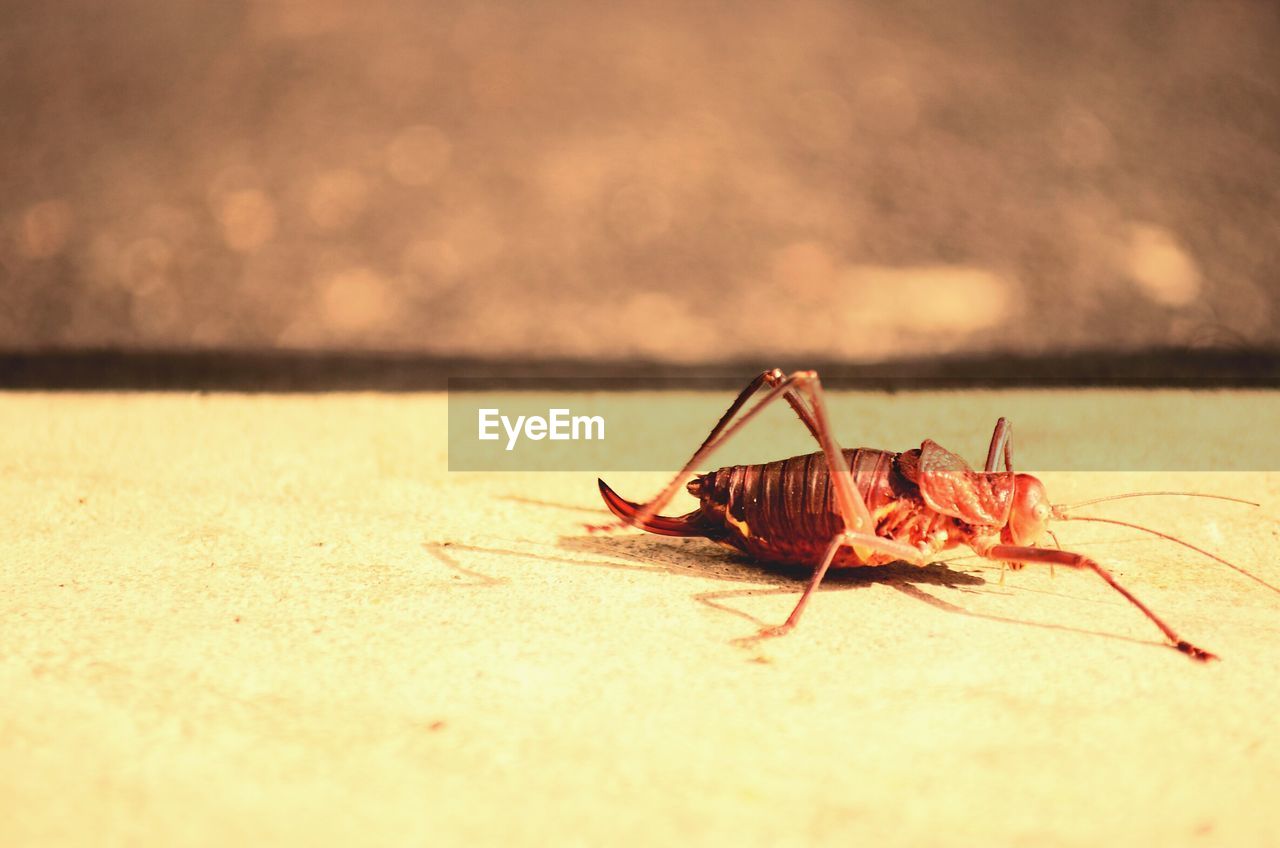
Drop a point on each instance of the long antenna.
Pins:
(1212, 556)
(1149, 494)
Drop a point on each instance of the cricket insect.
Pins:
(845, 508)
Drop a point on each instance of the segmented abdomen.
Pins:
(785, 511)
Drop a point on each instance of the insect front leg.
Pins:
(1017, 553)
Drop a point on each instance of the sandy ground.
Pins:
(281, 620)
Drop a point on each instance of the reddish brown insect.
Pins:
(847, 508)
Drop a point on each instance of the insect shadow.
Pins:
(695, 557)
(698, 558)
(440, 552)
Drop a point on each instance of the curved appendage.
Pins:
(663, 525)
(1000, 447)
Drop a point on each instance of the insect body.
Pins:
(847, 508)
(786, 511)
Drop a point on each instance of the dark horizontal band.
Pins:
(313, 371)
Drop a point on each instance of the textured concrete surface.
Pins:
(281, 620)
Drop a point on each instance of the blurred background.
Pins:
(669, 181)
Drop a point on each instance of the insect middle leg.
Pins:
(859, 531)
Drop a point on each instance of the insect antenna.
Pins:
(1149, 494)
(1212, 556)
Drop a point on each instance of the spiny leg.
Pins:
(1017, 553)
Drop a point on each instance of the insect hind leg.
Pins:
(772, 378)
(806, 387)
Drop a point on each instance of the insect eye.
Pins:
(1041, 512)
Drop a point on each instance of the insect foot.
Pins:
(774, 632)
(1195, 653)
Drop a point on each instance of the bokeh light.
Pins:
(248, 219)
(46, 227)
(671, 181)
(337, 198)
(417, 155)
(431, 263)
(355, 300)
(1161, 268)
